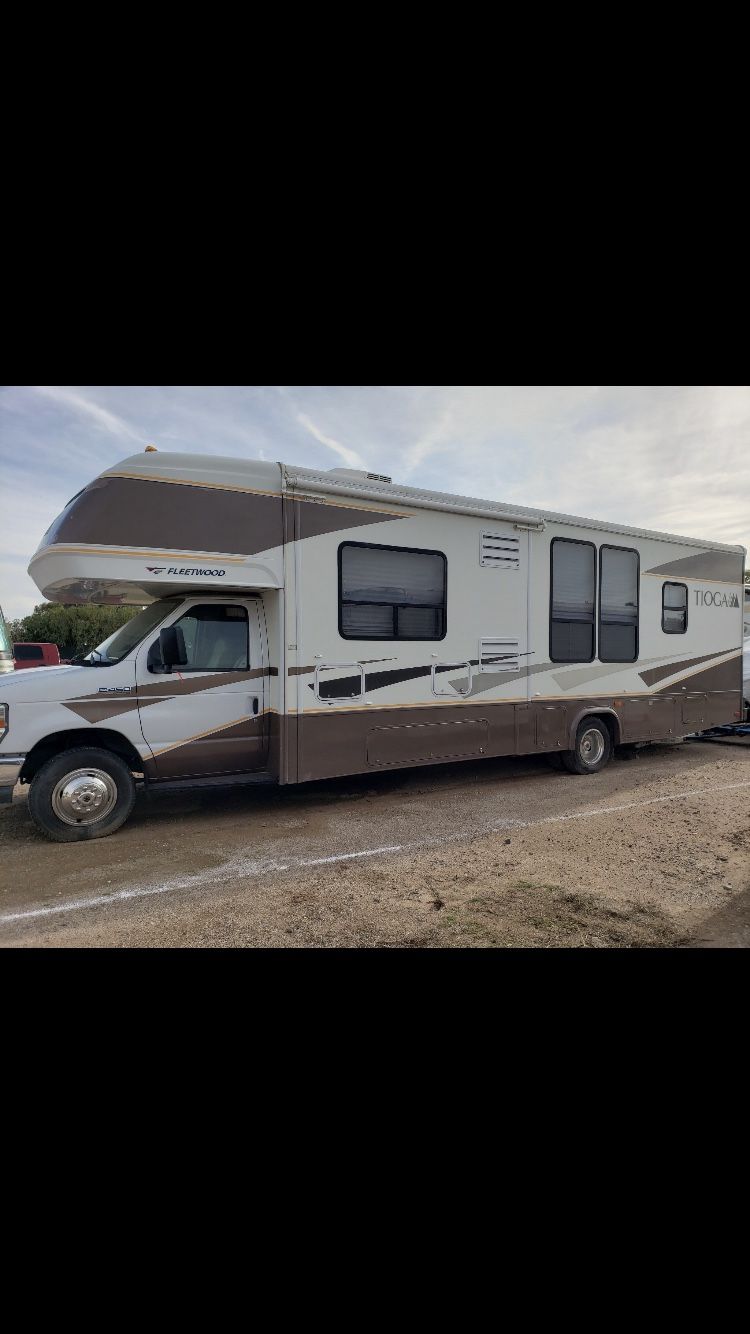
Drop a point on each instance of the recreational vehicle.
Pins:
(298, 625)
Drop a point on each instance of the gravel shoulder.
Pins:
(654, 851)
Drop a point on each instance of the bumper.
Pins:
(10, 768)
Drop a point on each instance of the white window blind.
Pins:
(674, 609)
(377, 574)
(675, 595)
(618, 605)
(388, 593)
(573, 566)
(619, 593)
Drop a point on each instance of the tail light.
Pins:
(3, 720)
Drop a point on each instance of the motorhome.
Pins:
(297, 625)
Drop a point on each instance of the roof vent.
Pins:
(358, 472)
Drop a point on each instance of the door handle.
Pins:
(255, 704)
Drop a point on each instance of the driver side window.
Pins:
(216, 638)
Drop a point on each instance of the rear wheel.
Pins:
(80, 794)
(593, 747)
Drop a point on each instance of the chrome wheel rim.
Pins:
(84, 796)
(592, 746)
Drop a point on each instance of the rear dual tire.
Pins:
(82, 793)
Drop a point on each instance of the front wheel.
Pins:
(82, 793)
(593, 747)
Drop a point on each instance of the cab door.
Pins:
(207, 717)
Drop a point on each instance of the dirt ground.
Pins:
(654, 851)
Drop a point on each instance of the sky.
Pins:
(675, 459)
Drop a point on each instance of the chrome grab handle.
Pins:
(466, 666)
(338, 666)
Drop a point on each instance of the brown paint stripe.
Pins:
(303, 671)
(131, 512)
(96, 707)
(654, 674)
(725, 566)
(186, 686)
(317, 518)
(97, 710)
(238, 728)
(722, 677)
(247, 490)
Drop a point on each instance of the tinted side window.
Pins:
(618, 604)
(391, 592)
(216, 638)
(28, 652)
(572, 599)
(674, 605)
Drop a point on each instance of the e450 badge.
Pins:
(173, 569)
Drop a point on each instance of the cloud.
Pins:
(673, 459)
(435, 440)
(350, 457)
(83, 406)
(18, 593)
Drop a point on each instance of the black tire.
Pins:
(108, 773)
(592, 750)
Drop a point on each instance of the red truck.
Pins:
(35, 655)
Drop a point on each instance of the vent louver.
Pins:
(500, 551)
(499, 655)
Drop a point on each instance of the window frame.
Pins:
(610, 546)
(674, 583)
(392, 639)
(580, 542)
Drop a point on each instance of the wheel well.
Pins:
(610, 720)
(80, 736)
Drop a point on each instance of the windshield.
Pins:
(124, 640)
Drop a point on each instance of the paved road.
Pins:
(514, 852)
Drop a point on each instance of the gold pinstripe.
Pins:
(212, 731)
(186, 481)
(256, 491)
(690, 579)
(140, 552)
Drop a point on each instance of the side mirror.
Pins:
(172, 647)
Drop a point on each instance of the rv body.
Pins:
(300, 625)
